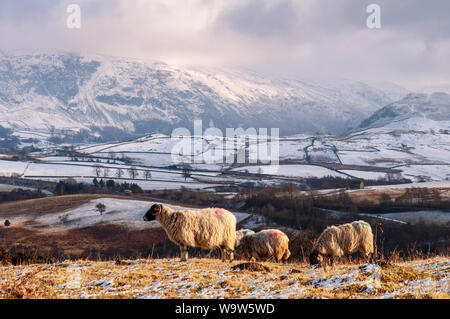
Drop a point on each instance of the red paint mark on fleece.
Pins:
(275, 234)
(218, 211)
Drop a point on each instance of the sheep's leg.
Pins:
(285, 256)
(231, 255)
(278, 256)
(224, 255)
(370, 258)
(331, 260)
(184, 253)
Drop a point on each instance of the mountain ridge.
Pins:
(414, 110)
(73, 91)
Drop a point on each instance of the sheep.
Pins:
(241, 233)
(269, 243)
(208, 228)
(335, 241)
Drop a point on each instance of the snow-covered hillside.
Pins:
(117, 211)
(414, 112)
(66, 91)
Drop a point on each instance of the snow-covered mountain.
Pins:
(72, 92)
(420, 112)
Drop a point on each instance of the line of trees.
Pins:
(70, 186)
(132, 172)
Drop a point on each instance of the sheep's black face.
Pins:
(152, 212)
(315, 258)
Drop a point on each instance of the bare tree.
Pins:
(97, 170)
(148, 175)
(100, 208)
(52, 130)
(187, 169)
(133, 172)
(119, 173)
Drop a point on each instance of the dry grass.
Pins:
(92, 241)
(211, 278)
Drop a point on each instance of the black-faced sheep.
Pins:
(335, 241)
(241, 233)
(265, 244)
(207, 228)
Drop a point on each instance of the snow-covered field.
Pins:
(10, 168)
(442, 184)
(427, 172)
(85, 172)
(365, 174)
(433, 217)
(375, 153)
(290, 170)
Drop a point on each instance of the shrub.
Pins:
(23, 258)
(20, 194)
(100, 208)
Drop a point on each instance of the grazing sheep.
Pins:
(241, 233)
(343, 239)
(269, 243)
(208, 228)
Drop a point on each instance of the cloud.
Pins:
(295, 38)
(261, 18)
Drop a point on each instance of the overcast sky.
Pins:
(294, 38)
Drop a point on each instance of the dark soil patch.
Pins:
(251, 266)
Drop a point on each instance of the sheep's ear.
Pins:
(156, 209)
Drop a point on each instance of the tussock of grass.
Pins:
(399, 274)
